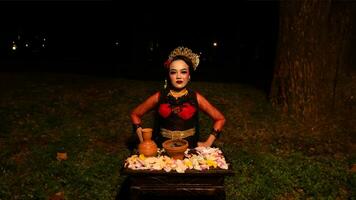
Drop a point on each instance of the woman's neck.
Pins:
(178, 93)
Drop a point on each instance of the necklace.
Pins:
(176, 95)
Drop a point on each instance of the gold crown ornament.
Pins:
(184, 51)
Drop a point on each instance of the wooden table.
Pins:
(193, 184)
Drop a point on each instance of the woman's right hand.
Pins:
(139, 133)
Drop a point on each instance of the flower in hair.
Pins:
(167, 62)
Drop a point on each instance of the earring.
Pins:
(165, 83)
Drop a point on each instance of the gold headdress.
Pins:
(183, 51)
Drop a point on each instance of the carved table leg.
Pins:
(220, 194)
(135, 193)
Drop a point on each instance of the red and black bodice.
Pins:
(178, 114)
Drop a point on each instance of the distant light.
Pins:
(14, 46)
(44, 39)
(117, 43)
(215, 44)
(43, 45)
(27, 45)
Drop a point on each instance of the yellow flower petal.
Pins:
(142, 157)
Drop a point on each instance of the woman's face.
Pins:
(179, 74)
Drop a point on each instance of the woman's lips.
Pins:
(179, 82)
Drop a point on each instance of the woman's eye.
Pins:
(184, 72)
(172, 73)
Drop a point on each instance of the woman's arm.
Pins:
(215, 114)
(140, 110)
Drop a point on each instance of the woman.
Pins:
(177, 106)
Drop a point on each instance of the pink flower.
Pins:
(167, 62)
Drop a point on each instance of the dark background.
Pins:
(122, 39)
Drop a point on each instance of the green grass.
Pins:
(273, 156)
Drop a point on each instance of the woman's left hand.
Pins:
(204, 144)
(208, 142)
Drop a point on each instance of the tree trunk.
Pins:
(312, 57)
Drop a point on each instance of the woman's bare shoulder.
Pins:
(155, 95)
(199, 96)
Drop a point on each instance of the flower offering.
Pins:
(199, 158)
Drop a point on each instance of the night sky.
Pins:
(117, 36)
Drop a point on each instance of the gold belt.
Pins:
(177, 134)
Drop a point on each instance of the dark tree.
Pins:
(313, 78)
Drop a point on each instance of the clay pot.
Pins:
(175, 148)
(147, 147)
